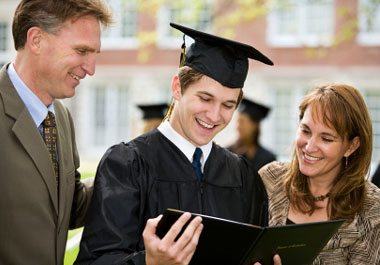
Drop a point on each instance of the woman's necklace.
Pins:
(322, 197)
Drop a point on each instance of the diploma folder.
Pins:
(226, 242)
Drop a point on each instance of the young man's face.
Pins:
(68, 57)
(204, 109)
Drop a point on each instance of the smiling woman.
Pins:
(326, 178)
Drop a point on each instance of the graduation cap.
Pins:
(255, 110)
(153, 110)
(224, 60)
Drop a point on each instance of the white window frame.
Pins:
(170, 38)
(372, 99)
(285, 116)
(116, 113)
(367, 37)
(5, 36)
(300, 37)
(112, 37)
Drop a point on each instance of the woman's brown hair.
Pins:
(344, 110)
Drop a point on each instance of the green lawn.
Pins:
(71, 255)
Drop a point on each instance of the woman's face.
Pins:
(320, 150)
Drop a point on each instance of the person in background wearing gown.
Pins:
(137, 181)
(376, 176)
(326, 178)
(249, 117)
(153, 114)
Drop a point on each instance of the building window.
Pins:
(3, 42)
(297, 23)
(284, 124)
(372, 98)
(197, 16)
(369, 22)
(122, 33)
(285, 115)
(110, 112)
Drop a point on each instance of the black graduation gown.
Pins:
(376, 176)
(139, 180)
(262, 156)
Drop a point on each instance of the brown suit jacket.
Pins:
(33, 220)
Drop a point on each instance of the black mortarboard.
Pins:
(255, 110)
(224, 60)
(154, 110)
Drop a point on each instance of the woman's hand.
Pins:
(276, 259)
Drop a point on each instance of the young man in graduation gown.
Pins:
(139, 180)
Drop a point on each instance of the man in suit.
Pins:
(41, 195)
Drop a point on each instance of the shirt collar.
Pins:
(184, 145)
(34, 105)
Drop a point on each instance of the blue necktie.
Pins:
(197, 163)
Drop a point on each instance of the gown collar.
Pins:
(184, 145)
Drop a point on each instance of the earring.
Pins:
(346, 161)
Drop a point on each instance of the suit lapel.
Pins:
(27, 133)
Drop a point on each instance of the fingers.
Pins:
(184, 248)
(167, 250)
(277, 259)
(191, 247)
(186, 245)
(176, 228)
(189, 238)
(150, 228)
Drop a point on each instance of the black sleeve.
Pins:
(376, 176)
(259, 197)
(114, 225)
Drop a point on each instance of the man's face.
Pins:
(204, 109)
(67, 57)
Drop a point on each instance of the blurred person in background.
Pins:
(153, 114)
(376, 176)
(250, 114)
(326, 178)
(41, 195)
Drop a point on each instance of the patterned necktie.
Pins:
(197, 163)
(50, 138)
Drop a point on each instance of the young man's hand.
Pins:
(166, 251)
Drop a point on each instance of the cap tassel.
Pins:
(181, 61)
(183, 52)
(169, 112)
